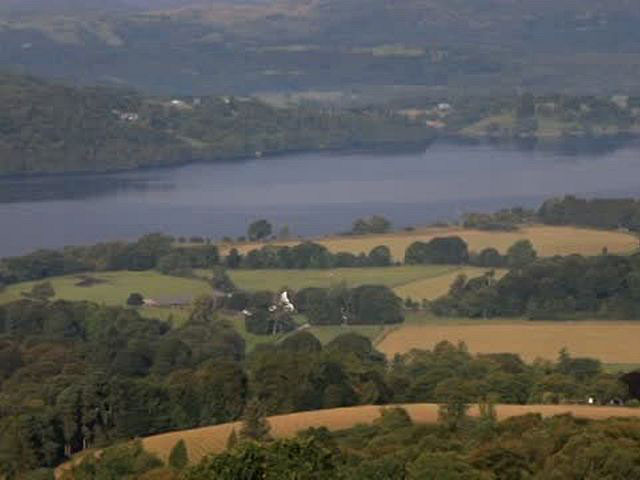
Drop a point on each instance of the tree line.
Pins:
(605, 286)
(605, 213)
(158, 251)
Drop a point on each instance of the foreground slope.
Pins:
(203, 441)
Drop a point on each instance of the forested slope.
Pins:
(48, 127)
(247, 47)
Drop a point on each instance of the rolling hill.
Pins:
(50, 127)
(194, 47)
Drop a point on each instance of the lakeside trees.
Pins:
(47, 127)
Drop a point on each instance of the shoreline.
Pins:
(609, 141)
(383, 147)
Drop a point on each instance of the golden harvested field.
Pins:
(548, 241)
(206, 440)
(610, 342)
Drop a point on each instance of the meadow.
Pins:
(203, 441)
(548, 241)
(418, 282)
(113, 288)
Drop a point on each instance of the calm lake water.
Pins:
(313, 193)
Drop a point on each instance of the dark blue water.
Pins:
(312, 193)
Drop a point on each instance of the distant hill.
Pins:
(209, 46)
(51, 128)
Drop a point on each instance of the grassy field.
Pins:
(207, 440)
(391, 276)
(609, 341)
(113, 288)
(418, 282)
(548, 241)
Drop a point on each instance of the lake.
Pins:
(312, 193)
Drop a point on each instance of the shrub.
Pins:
(375, 305)
(179, 458)
(135, 300)
(374, 224)
(380, 256)
(440, 250)
(301, 342)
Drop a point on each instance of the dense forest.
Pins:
(48, 128)
(79, 375)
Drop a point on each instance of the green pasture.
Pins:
(113, 288)
(254, 280)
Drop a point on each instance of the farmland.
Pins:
(548, 241)
(113, 288)
(418, 282)
(612, 342)
(203, 441)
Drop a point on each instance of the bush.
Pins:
(41, 291)
(261, 300)
(374, 224)
(179, 458)
(380, 256)
(440, 250)
(135, 300)
(319, 306)
(259, 230)
(521, 254)
(301, 342)
(262, 322)
(175, 263)
(222, 282)
(489, 257)
(351, 342)
(238, 301)
(374, 305)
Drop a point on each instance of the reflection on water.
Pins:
(312, 193)
(74, 187)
